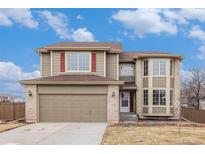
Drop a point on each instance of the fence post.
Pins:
(14, 111)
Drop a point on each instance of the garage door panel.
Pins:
(73, 108)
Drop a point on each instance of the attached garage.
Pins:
(72, 98)
(73, 108)
(72, 103)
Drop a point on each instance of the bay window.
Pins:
(78, 61)
(159, 97)
(145, 97)
(171, 97)
(159, 67)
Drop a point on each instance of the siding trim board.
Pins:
(51, 62)
(41, 65)
(111, 66)
(104, 63)
(46, 67)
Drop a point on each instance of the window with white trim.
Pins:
(145, 97)
(159, 67)
(159, 97)
(78, 61)
(126, 70)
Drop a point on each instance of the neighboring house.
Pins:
(10, 98)
(97, 81)
(4, 99)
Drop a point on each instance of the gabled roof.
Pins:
(113, 47)
(130, 56)
(72, 79)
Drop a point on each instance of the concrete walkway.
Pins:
(55, 134)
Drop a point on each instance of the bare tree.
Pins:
(193, 89)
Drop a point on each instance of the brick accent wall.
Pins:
(113, 104)
(30, 102)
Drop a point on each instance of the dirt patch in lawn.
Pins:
(10, 125)
(154, 134)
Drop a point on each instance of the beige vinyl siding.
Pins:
(145, 82)
(171, 110)
(64, 89)
(112, 66)
(159, 110)
(145, 110)
(130, 79)
(100, 63)
(73, 108)
(171, 82)
(56, 63)
(159, 82)
(45, 64)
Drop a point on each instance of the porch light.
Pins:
(113, 94)
(29, 93)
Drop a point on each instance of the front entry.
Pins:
(125, 101)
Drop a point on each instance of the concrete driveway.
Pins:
(55, 133)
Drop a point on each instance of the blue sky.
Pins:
(179, 31)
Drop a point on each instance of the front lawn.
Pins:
(156, 134)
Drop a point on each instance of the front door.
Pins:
(125, 101)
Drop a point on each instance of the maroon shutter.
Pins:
(62, 62)
(93, 62)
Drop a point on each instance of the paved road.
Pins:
(55, 134)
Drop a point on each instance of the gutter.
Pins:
(29, 82)
(47, 49)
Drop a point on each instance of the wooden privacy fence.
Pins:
(193, 115)
(11, 111)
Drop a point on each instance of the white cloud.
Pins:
(36, 66)
(182, 16)
(9, 76)
(185, 74)
(9, 71)
(174, 16)
(83, 35)
(193, 14)
(79, 17)
(58, 22)
(157, 21)
(145, 21)
(201, 54)
(197, 33)
(23, 17)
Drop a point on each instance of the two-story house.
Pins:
(98, 82)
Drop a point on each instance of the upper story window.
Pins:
(159, 67)
(126, 70)
(146, 67)
(78, 61)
